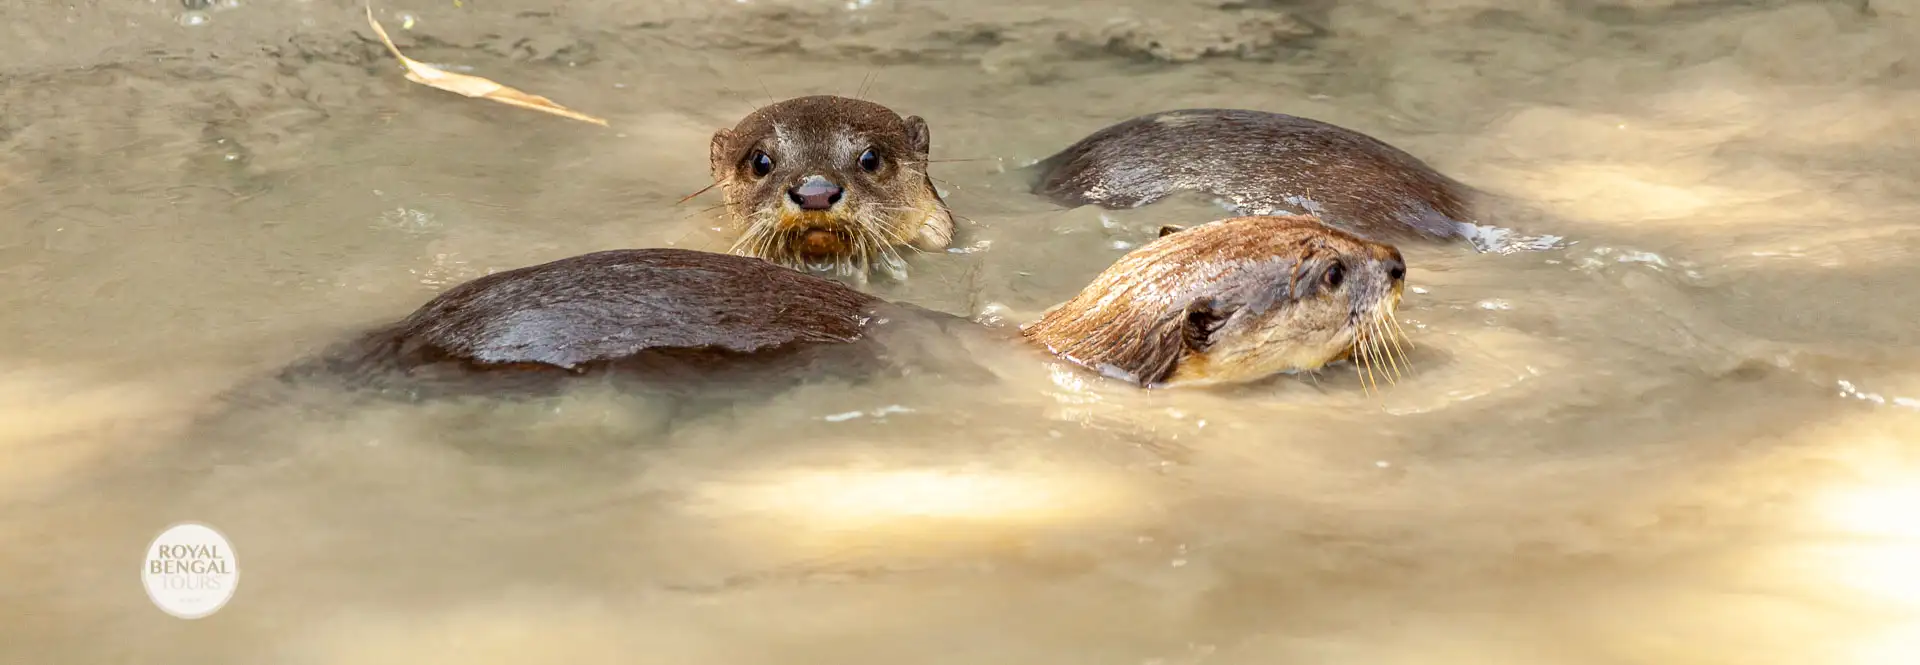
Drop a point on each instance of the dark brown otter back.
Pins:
(608, 306)
(657, 316)
(682, 333)
(1260, 163)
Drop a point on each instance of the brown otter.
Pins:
(1229, 301)
(1232, 301)
(1261, 163)
(830, 183)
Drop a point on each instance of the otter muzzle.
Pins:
(815, 193)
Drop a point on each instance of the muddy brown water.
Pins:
(1689, 437)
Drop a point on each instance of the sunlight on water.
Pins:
(1889, 510)
(847, 499)
(1895, 646)
(1886, 518)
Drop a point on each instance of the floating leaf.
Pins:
(473, 86)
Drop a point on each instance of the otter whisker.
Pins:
(1387, 346)
(703, 211)
(891, 261)
(689, 197)
(1360, 371)
(765, 240)
(763, 88)
(1393, 326)
(753, 236)
(746, 239)
(1394, 318)
(1377, 353)
(895, 265)
(1378, 338)
(905, 236)
(780, 246)
(766, 245)
(1369, 351)
(1358, 357)
(860, 240)
(872, 243)
(1372, 353)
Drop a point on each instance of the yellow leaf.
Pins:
(473, 86)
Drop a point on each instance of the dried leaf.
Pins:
(473, 86)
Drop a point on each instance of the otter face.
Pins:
(1233, 301)
(830, 183)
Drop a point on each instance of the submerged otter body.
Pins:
(674, 335)
(657, 317)
(1261, 163)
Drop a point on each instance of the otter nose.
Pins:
(1396, 268)
(815, 193)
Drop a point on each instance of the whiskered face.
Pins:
(831, 184)
(1234, 301)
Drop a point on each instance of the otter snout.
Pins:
(815, 193)
(1395, 265)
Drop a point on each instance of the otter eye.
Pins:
(761, 163)
(1336, 274)
(869, 161)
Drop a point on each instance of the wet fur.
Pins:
(683, 322)
(684, 332)
(653, 316)
(884, 211)
(1227, 301)
(1261, 163)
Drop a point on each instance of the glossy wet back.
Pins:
(1259, 163)
(606, 306)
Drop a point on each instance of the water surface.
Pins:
(1688, 437)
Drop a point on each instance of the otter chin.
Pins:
(1230, 301)
(831, 184)
(1233, 301)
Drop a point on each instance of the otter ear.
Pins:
(1204, 317)
(918, 136)
(719, 158)
(1171, 229)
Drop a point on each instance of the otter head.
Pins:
(829, 182)
(1232, 301)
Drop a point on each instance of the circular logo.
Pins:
(190, 571)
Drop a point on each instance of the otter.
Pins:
(1260, 163)
(1225, 302)
(831, 184)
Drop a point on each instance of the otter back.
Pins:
(683, 333)
(1260, 163)
(606, 306)
(657, 315)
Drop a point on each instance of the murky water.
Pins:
(1690, 437)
